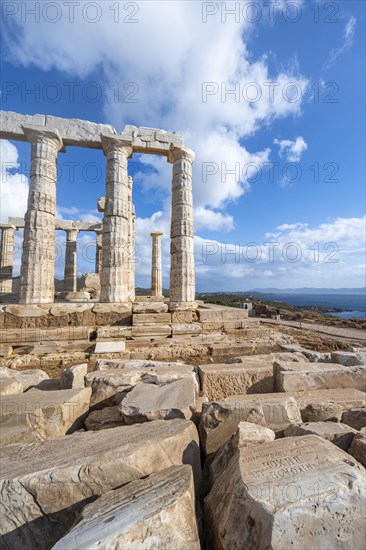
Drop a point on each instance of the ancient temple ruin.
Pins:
(49, 136)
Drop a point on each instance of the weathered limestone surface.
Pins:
(148, 318)
(358, 448)
(288, 493)
(322, 412)
(149, 307)
(356, 418)
(182, 267)
(28, 378)
(337, 433)
(73, 377)
(348, 359)
(39, 415)
(109, 387)
(109, 417)
(90, 282)
(38, 257)
(156, 512)
(246, 435)
(156, 265)
(347, 398)
(220, 419)
(268, 357)
(151, 331)
(8, 386)
(44, 485)
(308, 376)
(106, 364)
(6, 258)
(219, 381)
(150, 402)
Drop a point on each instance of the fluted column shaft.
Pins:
(115, 257)
(98, 252)
(38, 258)
(182, 270)
(6, 258)
(156, 267)
(131, 242)
(71, 274)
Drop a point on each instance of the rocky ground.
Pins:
(251, 444)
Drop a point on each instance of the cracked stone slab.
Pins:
(156, 512)
(301, 492)
(44, 486)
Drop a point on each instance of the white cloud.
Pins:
(291, 150)
(348, 36)
(170, 61)
(13, 184)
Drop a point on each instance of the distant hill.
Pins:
(309, 290)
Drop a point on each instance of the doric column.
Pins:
(98, 251)
(156, 269)
(131, 242)
(182, 272)
(115, 258)
(6, 258)
(38, 258)
(70, 277)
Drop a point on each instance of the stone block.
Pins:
(288, 493)
(8, 386)
(151, 331)
(356, 418)
(339, 434)
(182, 316)
(44, 486)
(73, 377)
(220, 419)
(150, 318)
(179, 329)
(219, 381)
(158, 511)
(110, 347)
(327, 411)
(348, 358)
(358, 448)
(149, 307)
(311, 376)
(109, 417)
(39, 415)
(5, 350)
(151, 402)
(28, 378)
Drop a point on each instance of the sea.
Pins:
(351, 306)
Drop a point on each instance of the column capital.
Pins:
(111, 143)
(156, 234)
(36, 134)
(180, 153)
(5, 226)
(72, 234)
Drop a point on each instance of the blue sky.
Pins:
(291, 213)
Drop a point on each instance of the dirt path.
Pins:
(339, 333)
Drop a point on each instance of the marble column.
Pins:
(156, 268)
(182, 270)
(98, 251)
(71, 274)
(116, 223)
(38, 257)
(131, 240)
(6, 258)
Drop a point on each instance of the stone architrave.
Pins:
(182, 272)
(115, 262)
(70, 277)
(38, 258)
(6, 258)
(156, 268)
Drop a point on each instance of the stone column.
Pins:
(98, 252)
(71, 275)
(131, 244)
(38, 258)
(156, 269)
(182, 271)
(6, 258)
(115, 258)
